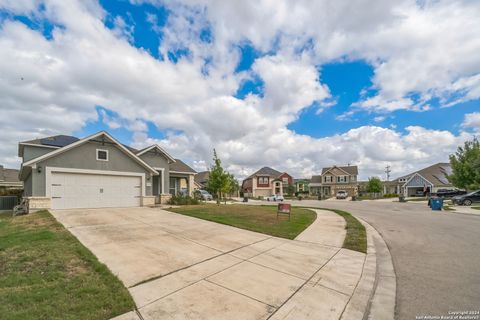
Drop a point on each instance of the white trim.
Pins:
(84, 140)
(336, 168)
(413, 175)
(96, 154)
(159, 148)
(38, 145)
(49, 170)
(182, 172)
(163, 178)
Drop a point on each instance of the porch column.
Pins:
(190, 184)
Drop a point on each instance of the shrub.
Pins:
(183, 200)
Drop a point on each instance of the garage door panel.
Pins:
(74, 190)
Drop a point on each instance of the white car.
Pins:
(342, 194)
(275, 197)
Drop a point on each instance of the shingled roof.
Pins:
(352, 170)
(266, 171)
(436, 174)
(180, 166)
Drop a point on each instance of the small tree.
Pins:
(216, 177)
(465, 165)
(290, 189)
(374, 185)
(220, 182)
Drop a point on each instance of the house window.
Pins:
(263, 180)
(342, 179)
(328, 179)
(285, 180)
(102, 155)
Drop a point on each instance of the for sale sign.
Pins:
(284, 208)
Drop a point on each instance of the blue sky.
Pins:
(246, 79)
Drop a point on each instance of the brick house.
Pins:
(266, 182)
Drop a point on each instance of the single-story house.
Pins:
(62, 172)
(266, 182)
(9, 179)
(431, 179)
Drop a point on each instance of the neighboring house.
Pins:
(201, 179)
(266, 182)
(301, 185)
(9, 179)
(62, 172)
(334, 179)
(431, 178)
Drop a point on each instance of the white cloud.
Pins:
(53, 86)
(472, 121)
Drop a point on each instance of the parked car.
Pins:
(204, 195)
(342, 194)
(467, 199)
(449, 193)
(275, 197)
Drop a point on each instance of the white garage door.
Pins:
(74, 190)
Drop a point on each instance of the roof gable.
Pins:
(266, 171)
(70, 146)
(157, 148)
(349, 170)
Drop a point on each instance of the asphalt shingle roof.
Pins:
(181, 166)
(436, 174)
(266, 171)
(352, 170)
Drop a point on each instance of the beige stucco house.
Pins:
(334, 179)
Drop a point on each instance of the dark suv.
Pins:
(446, 193)
(467, 199)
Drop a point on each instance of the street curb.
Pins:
(382, 304)
(374, 296)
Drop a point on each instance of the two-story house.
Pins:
(266, 182)
(334, 179)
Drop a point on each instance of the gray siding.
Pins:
(84, 157)
(157, 160)
(31, 152)
(27, 186)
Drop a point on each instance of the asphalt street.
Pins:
(436, 255)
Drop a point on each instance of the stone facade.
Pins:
(38, 203)
(164, 198)
(148, 201)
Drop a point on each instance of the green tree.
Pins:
(465, 165)
(220, 182)
(374, 185)
(290, 189)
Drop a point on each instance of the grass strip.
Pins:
(261, 219)
(46, 273)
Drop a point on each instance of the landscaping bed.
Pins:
(261, 219)
(46, 273)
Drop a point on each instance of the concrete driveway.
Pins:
(178, 267)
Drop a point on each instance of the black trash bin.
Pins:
(245, 199)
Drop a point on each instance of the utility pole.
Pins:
(387, 171)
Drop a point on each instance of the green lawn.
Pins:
(45, 273)
(261, 219)
(476, 208)
(356, 238)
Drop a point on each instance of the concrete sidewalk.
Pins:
(178, 267)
